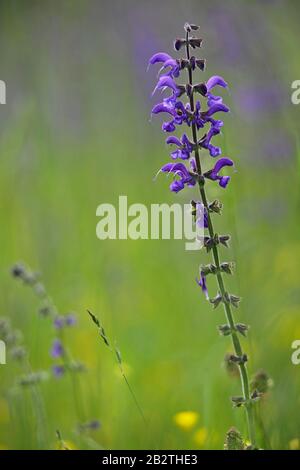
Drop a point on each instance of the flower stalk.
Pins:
(192, 115)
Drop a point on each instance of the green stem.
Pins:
(228, 312)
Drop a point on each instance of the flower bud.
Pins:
(178, 43)
(224, 330)
(227, 267)
(261, 382)
(215, 206)
(234, 440)
(242, 328)
(238, 401)
(216, 301)
(224, 239)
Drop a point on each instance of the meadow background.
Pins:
(75, 133)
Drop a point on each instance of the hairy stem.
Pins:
(228, 312)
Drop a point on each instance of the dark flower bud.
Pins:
(195, 42)
(201, 88)
(224, 239)
(192, 63)
(216, 301)
(208, 269)
(261, 382)
(189, 27)
(189, 90)
(18, 270)
(45, 310)
(184, 63)
(209, 243)
(181, 90)
(255, 396)
(238, 359)
(238, 401)
(178, 43)
(201, 64)
(242, 329)
(231, 368)
(215, 206)
(227, 267)
(234, 300)
(233, 440)
(224, 330)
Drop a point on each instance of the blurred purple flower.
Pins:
(58, 371)
(57, 349)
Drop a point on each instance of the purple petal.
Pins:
(161, 108)
(159, 57)
(202, 283)
(221, 163)
(168, 126)
(215, 80)
(165, 82)
(216, 108)
(177, 186)
(173, 140)
(223, 181)
(214, 151)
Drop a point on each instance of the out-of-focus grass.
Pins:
(57, 164)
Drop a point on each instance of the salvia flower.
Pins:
(194, 105)
(179, 170)
(184, 147)
(213, 174)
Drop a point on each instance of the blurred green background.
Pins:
(75, 133)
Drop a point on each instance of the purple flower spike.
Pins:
(57, 349)
(213, 174)
(202, 283)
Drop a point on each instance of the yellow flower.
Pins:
(200, 436)
(186, 420)
(294, 444)
(65, 445)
